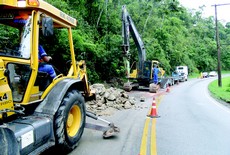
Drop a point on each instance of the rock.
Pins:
(132, 100)
(98, 88)
(87, 106)
(101, 108)
(118, 106)
(142, 99)
(94, 106)
(108, 100)
(98, 97)
(109, 103)
(92, 103)
(111, 97)
(127, 105)
(125, 95)
(102, 100)
(99, 104)
(106, 95)
(124, 101)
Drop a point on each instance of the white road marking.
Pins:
(217, 103)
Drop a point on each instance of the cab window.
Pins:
(15, 34)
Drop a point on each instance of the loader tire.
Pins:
(69, 121)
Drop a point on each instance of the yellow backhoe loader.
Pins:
(37, 112)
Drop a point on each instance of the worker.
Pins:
(155, 74)
(43, 60)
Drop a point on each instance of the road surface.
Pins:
(190, 123)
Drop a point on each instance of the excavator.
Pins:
(142, 75)
(36, 112)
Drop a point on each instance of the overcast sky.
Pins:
(223, 12)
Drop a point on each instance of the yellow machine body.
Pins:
(25, 67)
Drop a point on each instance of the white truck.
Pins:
(183, 72)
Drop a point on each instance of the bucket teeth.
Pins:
(111, 132)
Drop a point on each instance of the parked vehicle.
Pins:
(212, 73)
(176, 77)
(183, 72)
(205, 74)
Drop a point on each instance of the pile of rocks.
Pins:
(109, 99)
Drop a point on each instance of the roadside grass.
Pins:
(223, 92)
(225, 72)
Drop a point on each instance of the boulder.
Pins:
(109, 99)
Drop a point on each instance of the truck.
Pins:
(180, 74)
(142, 75)
(37, 112)
(183, 72)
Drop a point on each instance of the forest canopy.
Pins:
(171, 34)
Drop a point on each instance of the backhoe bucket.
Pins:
(113, 130)
(8, 142)
(108, 131)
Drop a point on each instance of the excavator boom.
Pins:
(128, 28)
(143, 73)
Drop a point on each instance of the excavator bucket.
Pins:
(8, 142)
(153, 88)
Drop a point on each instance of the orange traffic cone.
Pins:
(153, 113)
(168, 89)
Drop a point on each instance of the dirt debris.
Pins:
(109, 100)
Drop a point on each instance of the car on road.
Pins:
(205, 74)
(212, 73)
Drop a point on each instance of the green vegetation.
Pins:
(223, 92)
(171, 34)
(193, 75)
(225, 72)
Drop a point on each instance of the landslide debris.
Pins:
(108, 100)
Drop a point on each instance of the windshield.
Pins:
(15, 34)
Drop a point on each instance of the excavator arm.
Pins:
(128, 28)
(143, 73)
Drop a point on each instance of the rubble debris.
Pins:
(109, 100)
(142, 99)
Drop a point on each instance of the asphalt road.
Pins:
(190, 123)
(127, 142)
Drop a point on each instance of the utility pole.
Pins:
(218, 50)
(218, 45)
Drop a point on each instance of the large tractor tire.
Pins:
(8, 142)
(69, 121)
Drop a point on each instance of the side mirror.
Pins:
(47, 26)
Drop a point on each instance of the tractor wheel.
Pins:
(69, 121)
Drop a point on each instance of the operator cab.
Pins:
(18, 54)
(15, 50)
